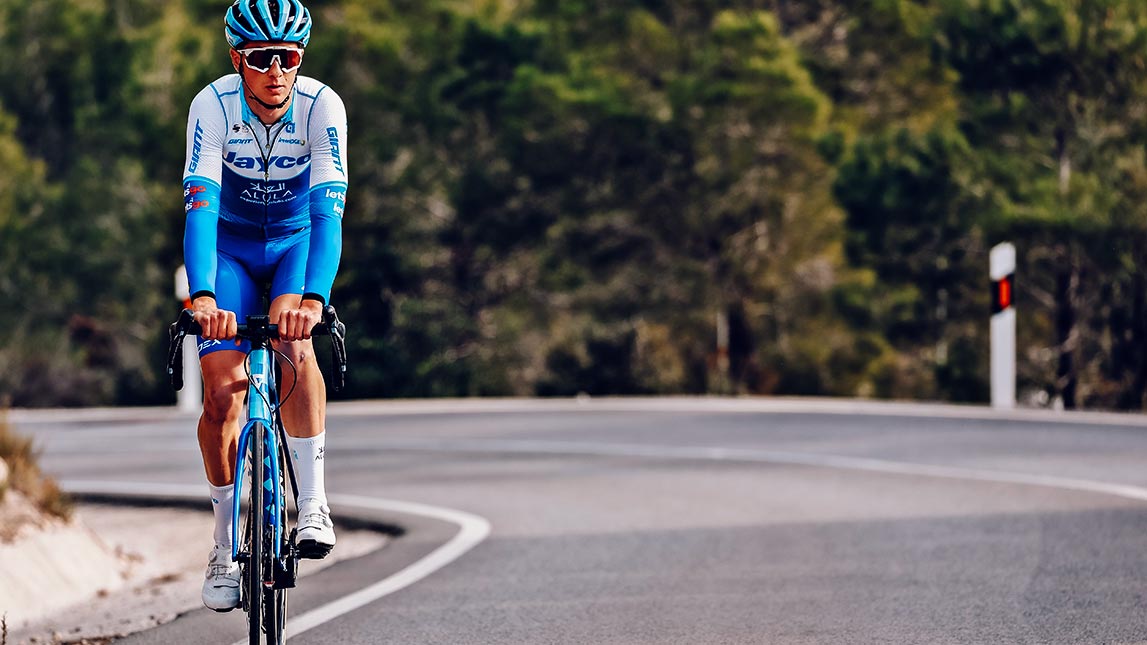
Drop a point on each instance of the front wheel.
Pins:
(275, 614)
(275, 596)
(254, 532)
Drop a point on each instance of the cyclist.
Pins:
(264, 188)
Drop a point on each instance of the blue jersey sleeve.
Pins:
(327, 203)
(202, 180)
(327, 128)
(200, 234)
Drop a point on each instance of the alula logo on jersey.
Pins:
(336, 154)
(196, 147)
(260, 193)
(285, 162)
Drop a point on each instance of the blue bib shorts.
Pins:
(247, 267)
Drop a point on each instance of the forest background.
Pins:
(550, 197)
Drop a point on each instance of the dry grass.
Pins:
(24, 473)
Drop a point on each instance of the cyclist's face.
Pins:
(268, 68)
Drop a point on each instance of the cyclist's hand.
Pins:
(217, 324)
(296, 324)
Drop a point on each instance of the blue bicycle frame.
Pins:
(268, 572)
(261, 396)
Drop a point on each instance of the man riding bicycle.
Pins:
(264, 189)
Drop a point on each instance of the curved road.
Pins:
(700, 521)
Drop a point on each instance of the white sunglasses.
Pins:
(260, 59)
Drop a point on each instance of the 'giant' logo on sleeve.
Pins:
(336, 154)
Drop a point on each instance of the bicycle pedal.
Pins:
(314, 550)
(286, 572)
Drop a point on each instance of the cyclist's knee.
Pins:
(301, 352)
(222, 401)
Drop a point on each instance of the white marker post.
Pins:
(1003, 273)
(190, 398)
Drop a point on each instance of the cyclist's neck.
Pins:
(267, 115)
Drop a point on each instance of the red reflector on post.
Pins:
(1003, 293)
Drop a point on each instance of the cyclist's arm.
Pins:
(202, 174)
(327, 132)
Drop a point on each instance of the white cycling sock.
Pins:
(307, 458)
(222, 504)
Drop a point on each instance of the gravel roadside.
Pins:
(154, 562)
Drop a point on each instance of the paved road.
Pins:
(706, 521)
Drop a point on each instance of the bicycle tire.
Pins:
(256, 532)
(275, 598)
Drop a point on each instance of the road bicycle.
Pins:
(266, 552)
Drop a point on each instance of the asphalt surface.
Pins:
(701, 523)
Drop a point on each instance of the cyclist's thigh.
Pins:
(296, 351)
(287, 285)
(291, 265)
(224, 378)
(235, 290)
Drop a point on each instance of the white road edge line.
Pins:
(472, 530)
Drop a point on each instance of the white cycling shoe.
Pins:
(221, 588)
(316, 535)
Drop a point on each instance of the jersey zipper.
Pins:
(266, 156)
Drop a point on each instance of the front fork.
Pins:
(285, 566)
(273, 515)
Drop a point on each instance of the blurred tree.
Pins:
(912, 219)
(552, 197)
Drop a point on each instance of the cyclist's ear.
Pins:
(236, 59)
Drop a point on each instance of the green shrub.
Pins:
(25, 477)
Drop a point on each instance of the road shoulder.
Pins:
(150, 572)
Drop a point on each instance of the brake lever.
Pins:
(337, 331)
(177, 332)
(175, 356)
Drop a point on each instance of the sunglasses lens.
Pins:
(291, 59)
(261, 60)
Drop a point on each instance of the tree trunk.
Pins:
(1137, 345)
(1066, 288)
(743, 364)
(1067, 284)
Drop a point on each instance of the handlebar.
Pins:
(258, 330)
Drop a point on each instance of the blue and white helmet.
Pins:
(280, 21)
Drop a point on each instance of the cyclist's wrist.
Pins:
(203, 300)
(311, 304)
(313, 297)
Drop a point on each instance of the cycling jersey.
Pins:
(258, 183)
